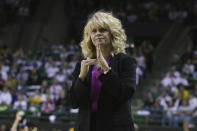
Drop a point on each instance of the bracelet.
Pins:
(105, 72)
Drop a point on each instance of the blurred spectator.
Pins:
(188, 68)
(141, 60)
(55, 90)
(51, 69)
(36, 99)
(14, 69)
(33, 108)
(192, 102)
(11, 82)
(148, 101)
(62, 98)
(174, 71)
(171, 111)
(48, 106)
(45, 95)
(5, 96)
(3, 127)
(181, 80)
(44, 86)
(164, 99)
(20, 87)
(171, 90)
(182, 93)
(155, 92)
(184, 112)
(64, 53)
(156, 111)
(169, 80)
(21, 103)
(61, 77)
(34, 78)
(4, 70)
(23, 76)
(68, 68)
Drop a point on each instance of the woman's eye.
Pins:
(94, 30)
(102, 30)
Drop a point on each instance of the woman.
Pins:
(104, 82)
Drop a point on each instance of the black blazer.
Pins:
(114, 105)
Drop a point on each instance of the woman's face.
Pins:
(100, 36)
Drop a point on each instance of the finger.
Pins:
(99, 49)
(89, 60)
(97, 52)
(99, 46)
(93, 63)
(90, 63)
(96, 45)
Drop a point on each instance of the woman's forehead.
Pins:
(96, 26)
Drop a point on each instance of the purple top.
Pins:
(96, 86)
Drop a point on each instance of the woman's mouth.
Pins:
(99, 38)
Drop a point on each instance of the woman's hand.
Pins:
(100, 59)
(85, 67)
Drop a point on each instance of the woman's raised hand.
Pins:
(85, 67)
(100, 59)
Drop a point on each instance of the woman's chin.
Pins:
(101, 43)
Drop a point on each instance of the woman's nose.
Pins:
(98, 32)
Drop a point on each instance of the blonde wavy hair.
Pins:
(107, 21)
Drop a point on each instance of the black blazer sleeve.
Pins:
(77, 95)
(121, 87)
